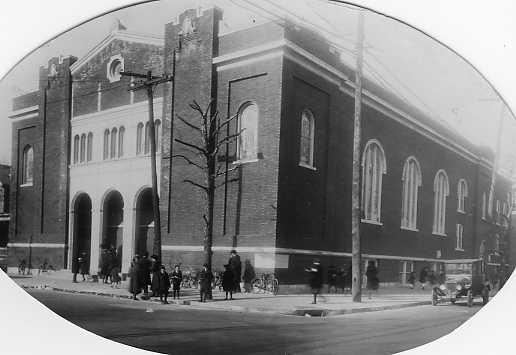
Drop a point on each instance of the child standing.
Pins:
(177, 277)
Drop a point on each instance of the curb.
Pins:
(305, 312)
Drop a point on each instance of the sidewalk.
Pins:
(327, 305)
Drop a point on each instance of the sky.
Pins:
(415, 67)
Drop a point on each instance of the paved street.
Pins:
(177, 329)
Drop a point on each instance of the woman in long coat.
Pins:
(372, 277)
(163, 284)
(155, 275)
(249, 276)
(228, 281)
(135, 286)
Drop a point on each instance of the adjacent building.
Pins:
(81, 167)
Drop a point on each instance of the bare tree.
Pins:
(201, 153)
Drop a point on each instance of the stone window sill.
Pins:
(307, 166)
(368, 221)
(439, 234)
(27, 184)
(409, 229)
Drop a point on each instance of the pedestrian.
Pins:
(412, 280)
(104, 264)
(76, 267)
(154, 269)
(115, 276)
(228, 281)
(145, 265)
(134, 277)
(236, 268)
(249, 276)
(372, 278)
(316, 278)
(163, 284)
(112, 261)
(423, 275)
(205, 278)
(82, 267)
(348, 278)
(177, 277)
(332, 278)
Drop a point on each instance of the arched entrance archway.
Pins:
(144, 222)
(113, 218)
(82, 229)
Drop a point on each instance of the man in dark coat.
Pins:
(163, 284)
(372, 277)
(154, 269)
(332, 278)
(134, 277)
(236, 268)
(145, 266)
(205, 279)
(177, 277)
(249, 276)
(316, 278)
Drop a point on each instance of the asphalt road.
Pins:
(174, 329)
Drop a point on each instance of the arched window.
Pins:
(147, 139)
(83, 148)
(114, 132)
(76, 140)
(462, 193)
(411, 181)
(121, 132)
(441, 191)
(306, 144)
(106, 144)
(247, 148)
(89, 147)
(139, 139)
(373, 168)
(27, 163)
(157, 129)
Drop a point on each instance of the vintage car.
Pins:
(464, 278)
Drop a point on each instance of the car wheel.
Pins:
(470, 298)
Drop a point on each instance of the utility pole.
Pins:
(148, 83)
(496, 163)
(356, 253)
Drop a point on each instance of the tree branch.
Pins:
(188, 123)
(189, 161)
(226, 122)
(226, 182)
(228, 139)
(191, 146)
(196, 184)
(229, 171)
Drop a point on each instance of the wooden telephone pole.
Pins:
(148, 82)
(356, 253)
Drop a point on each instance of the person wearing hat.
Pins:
(163, 284)
(316, 278)
(236, 268)
(154, 269)
(177, 277)
(228, 281)
(205, 278)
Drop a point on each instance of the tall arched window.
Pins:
(121, 141)
(27, 163)
(139, 138)
(247, 148)
(76, 140)
(411, 181)
(462, 193)
(147, 139)
(373, 168)
(157, 129)
(114, 132)
(441, 191)
(89, 147)
(106, 144)
(83, 148)
(306, 144)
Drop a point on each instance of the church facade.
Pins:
(81, 167)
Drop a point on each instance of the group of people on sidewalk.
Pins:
(145, 272)
(110, 267)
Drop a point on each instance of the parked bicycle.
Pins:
(266, 283)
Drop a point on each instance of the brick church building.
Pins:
(81, 169)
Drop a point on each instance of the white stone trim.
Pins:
(121, 35)
(118, 111)
(36, 245)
